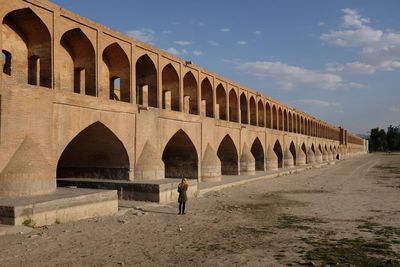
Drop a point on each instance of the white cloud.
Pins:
(225, 30)
(291, 77)
(183, 43)
(144, 35)
(364, 68)
(166, 31)
(197, 52)
(257, 32)
(176, 52)
(213, 43)
(379, 49)
(395, 109)
(316, 102)
(321, 23)
(241, 42)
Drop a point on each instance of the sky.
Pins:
(336, 60)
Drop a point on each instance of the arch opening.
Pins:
(117, 78)
(6, 58)
(303, 147)
(170, 88)
(290, 122)
(279, 153)
(274, 117)
(79, 73)
(180, 157)
(96, 152)
(268, 115)
(280, 119)
(207, 96)
(285, 121)
(292, 149)
(221, 101)
(29, 46)
(190, 93)
(146, 82)
(258, 154)
(228, 156)
(243, 109)
(233, 106)
(253, 114)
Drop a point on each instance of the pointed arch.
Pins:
(292, 149)
(243, 109)
(303, 147)
(268, 115)
(290, 128)
(253, 114)
(279, 153)
(207, 96)
(29, 47)
(180, 157)
(190, 92)
(280, 119)
(261, 117)
(274, 117)
(146, 82)
(285, 121)
(313, 148)
(117, 76)
(258, 154)
(80, 63)
(233, 106)
(228, 155)
(170, 88)
(221, 101)
(96, 152)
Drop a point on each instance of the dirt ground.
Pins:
(347, 214)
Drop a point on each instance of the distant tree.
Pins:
(393, 139)
(377, 140)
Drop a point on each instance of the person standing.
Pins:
(182, 198)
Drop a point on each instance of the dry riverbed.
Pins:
(345, 214)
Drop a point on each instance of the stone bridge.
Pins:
(79, 100)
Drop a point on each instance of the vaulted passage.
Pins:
(303, 147)
(280, 119)
(260, 114)
(170, 88)
(79, 68)
(190, 93)
(268, 115)
(292, 149)
(274, 118)
(96, 152)
(279, 153)
(285, 121)
(243, 109)
(258, 154)
(117, 77)
(221, 101)
(27, 46)
(146, 82)
(180, 157)
(233, 106)
(207, 97)
(253, 114)
(228, 156)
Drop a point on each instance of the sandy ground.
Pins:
(348, 213)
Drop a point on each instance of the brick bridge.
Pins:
(81, 100)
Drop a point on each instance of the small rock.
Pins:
(121, 263)
(33, 236)
(121, 221)
(180, 229)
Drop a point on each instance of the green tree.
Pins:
(377, 140)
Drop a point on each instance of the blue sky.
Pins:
(337, 60)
